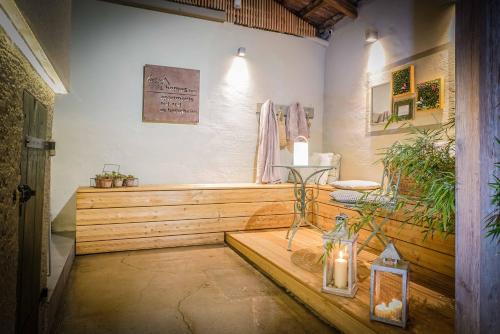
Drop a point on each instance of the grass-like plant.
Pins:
(493, 219)
(428, 158)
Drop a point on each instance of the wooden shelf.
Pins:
(300, 272)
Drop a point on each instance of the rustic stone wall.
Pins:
(16, 75)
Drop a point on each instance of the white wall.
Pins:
(405, 29)
(100, 121)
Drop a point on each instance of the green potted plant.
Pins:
(118, 179)
(131, 181)
(104, 180)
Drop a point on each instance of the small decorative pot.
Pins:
(132, 182)
(106, 183)
(118, 182)
(98, 183)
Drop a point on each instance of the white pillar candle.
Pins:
(300, 154)
(396, 306)
(383, 311)
(340, 272)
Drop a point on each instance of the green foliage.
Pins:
(401, 81)
(493, 219)
(428, 94)
(104, 176)
(428, 157)
(118, 176)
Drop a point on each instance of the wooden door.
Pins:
(31, 192)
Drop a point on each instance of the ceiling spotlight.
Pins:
(241, 52)
(371, 36)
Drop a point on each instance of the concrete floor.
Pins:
(181, 290)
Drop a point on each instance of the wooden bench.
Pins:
(119, 219)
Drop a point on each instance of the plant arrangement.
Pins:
(493, 219)
(428, 158)
(131, 181)
(104, 180)
(429, 95)
(403, 81)
(118, 179)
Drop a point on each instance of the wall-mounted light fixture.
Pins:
(371, 36)
(237, 4)
(241, 52)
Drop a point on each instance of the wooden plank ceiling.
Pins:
(307, 18)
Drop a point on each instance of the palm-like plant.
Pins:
(493, 219)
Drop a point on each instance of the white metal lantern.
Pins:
(339, 266)
(389, 288)
(301, 151)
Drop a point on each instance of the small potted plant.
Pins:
(118, 179)
(131, 181)
(104, 180)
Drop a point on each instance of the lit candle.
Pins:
(396, 306)
(301, 152)
(383, 311)
(340, 272)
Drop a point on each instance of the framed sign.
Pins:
(171, 95)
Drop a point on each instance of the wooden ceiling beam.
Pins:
(310, 7)
(330, 22)
(345, 7)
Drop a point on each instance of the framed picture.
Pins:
(380, 103)
(430, 95)
(404, 109)
(403, 81)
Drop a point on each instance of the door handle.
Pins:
(25, 192)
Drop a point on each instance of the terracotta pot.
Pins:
(98, 183)
(118, 183)
(106, 183)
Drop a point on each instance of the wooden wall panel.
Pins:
(260, 14)
(146, 217)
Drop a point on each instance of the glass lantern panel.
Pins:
(388, 296)
(338, 266)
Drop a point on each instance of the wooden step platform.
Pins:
(299, 271)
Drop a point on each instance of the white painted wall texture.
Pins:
(405, 29)
(100, 121)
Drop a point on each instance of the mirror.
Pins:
(381, 103)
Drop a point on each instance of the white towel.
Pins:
(268, 150)
(296, 123)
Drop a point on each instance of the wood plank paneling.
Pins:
(261, 14)
(86, 200)
(178, 227)
(179, 212)
(93, 247)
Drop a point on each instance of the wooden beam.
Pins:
(477, 277)
(327, 24)
(310, 7)
(345, 7)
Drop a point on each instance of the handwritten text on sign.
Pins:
(171, 94)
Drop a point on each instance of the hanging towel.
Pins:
(282, 130)
(296, 123)
(268, 150)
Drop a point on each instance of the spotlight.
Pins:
(241, 52)
(371, 36)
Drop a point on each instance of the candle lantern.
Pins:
(300, 151)
(339, 266)
(389, 288)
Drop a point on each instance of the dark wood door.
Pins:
(31, 192)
